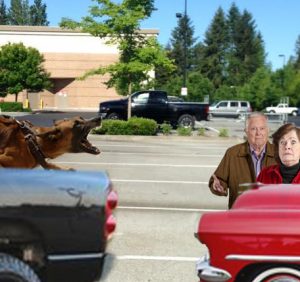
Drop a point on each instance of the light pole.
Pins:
(282, 71)
(283, 59)
(184, 90)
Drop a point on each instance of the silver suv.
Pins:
(229, 108)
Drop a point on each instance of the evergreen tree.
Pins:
(18, 12)
(297, 57)
(233, 20)
(3, 13)
(38, 15)
(215, 46)
(246, 52)
(181, 35)
(197, 56)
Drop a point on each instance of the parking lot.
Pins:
(162, 187)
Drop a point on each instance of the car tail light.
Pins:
(111, 204)
(112, 199)
(111, 224)
(207, 109)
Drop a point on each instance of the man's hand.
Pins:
(217, 187)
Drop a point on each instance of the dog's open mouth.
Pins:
(87, 147)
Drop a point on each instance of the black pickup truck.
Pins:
(154, 104)
(54, 225)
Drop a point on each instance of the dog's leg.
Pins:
(53, 166)
(6, 161)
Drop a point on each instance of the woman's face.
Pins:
(289, 148)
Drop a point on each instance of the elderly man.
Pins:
(243, 162)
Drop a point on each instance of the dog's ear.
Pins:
(52, 134)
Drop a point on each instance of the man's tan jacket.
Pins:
(237, 168)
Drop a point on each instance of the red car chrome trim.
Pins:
(210, 273)
(264, 258)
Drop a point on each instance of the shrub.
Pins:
(134, 126)
(223, 132)
(166, 128)
(201, 131)
(112, 127)
(184, 131)
(12, 107)
(142, 126)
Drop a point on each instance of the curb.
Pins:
(164, 138)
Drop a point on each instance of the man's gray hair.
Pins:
(253, 115)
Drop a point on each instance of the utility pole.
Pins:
(282, 71)
(184, 90)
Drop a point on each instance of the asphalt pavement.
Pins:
(235, 127)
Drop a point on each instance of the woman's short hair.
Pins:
(280, 132)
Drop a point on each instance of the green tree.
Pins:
(213, 63)
(21, 69)
(233, 20)
(246, 50)
(199, 87)
(18, 12)
(181, 35)
(297, 56)
(38, 14)
(3, 13)
(21, 13)
(119, 23)
(162, 75)
(290, 83)
(259, 90)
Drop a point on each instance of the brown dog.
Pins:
(23, 145)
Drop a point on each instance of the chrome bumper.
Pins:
(208, 273)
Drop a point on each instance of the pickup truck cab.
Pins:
(54, 225)
(154, 104)
(282, 108)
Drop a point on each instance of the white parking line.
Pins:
(137, 164)
(214, 146)
(160, 154)
(158, 258)
(168, 209)
(158, 181)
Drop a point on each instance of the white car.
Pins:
(282, 108)
(230, 108)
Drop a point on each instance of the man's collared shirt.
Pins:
(257, 160)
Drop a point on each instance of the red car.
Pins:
(258, 240)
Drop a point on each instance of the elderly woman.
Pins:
(286, 142)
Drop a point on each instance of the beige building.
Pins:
(68, 55)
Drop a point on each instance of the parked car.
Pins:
(282, 108)
(154, 104)
(230, 108)
(258, 240)
(54, 225)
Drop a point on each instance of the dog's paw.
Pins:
(71, 169)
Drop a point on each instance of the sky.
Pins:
(277, 20)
